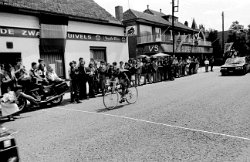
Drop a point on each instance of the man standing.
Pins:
(74, 76)
(83, 78)
(170, 69)
(138, 72)
(211, 61)
(206, 62)
(102, 70)
(91, 73)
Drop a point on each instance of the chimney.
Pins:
(160, 10)
(147, 6)
(119, 13)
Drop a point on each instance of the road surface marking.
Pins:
(156, 123)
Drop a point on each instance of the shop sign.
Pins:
(19, 32)
(95, 37)
(153, 48)
(34, 33)
(131, 30)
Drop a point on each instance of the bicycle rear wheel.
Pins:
(132, 95)
(111, 99)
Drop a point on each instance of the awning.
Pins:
(53, 34)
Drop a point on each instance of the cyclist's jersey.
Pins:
(121, 75)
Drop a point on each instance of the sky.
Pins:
(206, 12)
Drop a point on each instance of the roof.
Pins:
(85, 9)
(133, 14)
(153, 12)
(153, 17)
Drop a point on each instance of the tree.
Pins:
(213, 37)
(248, 40)
(186, 23)
(194, 25)
(237, 34)
(236, 27)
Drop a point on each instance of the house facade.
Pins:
(59, 32)
(150, 32)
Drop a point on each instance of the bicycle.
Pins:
(114, 92)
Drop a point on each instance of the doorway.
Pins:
(56, 61)
(10, 58)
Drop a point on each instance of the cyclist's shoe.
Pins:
(126, 91)
(122, 100)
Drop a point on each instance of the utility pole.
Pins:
(175, 8)
(222, 32)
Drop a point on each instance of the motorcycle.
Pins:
(42, 95)
(8, 146)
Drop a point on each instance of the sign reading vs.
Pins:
(34, 33)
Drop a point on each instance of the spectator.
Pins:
(170, 69)
(91, 74)
(154, 71)
(8, 79)
(41, 68)
(175, 66)
(197, 65)
(74, 76)
(188, 61)
(180, 67)
(121, 67)
(102, 70)
(165, 69)
(206, 62)
(184, 64)
(160, 69)
(52, 76)
(82, 79)
(138, 72)
(211, 61)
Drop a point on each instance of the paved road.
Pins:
(203, 117)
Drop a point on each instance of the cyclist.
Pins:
(124, 82)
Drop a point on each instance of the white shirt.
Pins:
(206, 62)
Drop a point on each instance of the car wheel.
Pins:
(223, 73)
(244, 72)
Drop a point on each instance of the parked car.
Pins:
(237, 65)
(8, 147)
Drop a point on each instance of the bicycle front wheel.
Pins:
(111, 99)
(132, 95)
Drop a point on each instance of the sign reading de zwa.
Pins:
(34, 33)
(19, 32)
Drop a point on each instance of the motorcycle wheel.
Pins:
(57, 101)
(21, 103)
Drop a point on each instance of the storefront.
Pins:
(28, 35)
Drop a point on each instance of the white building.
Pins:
(59, 32)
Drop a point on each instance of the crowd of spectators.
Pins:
(89, 81)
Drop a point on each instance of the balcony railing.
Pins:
(167, 38)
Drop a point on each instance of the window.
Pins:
(158, 34)
(145, 30)
(98, 53)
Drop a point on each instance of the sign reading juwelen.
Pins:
(95, 37)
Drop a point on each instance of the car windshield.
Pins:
(239, 60)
